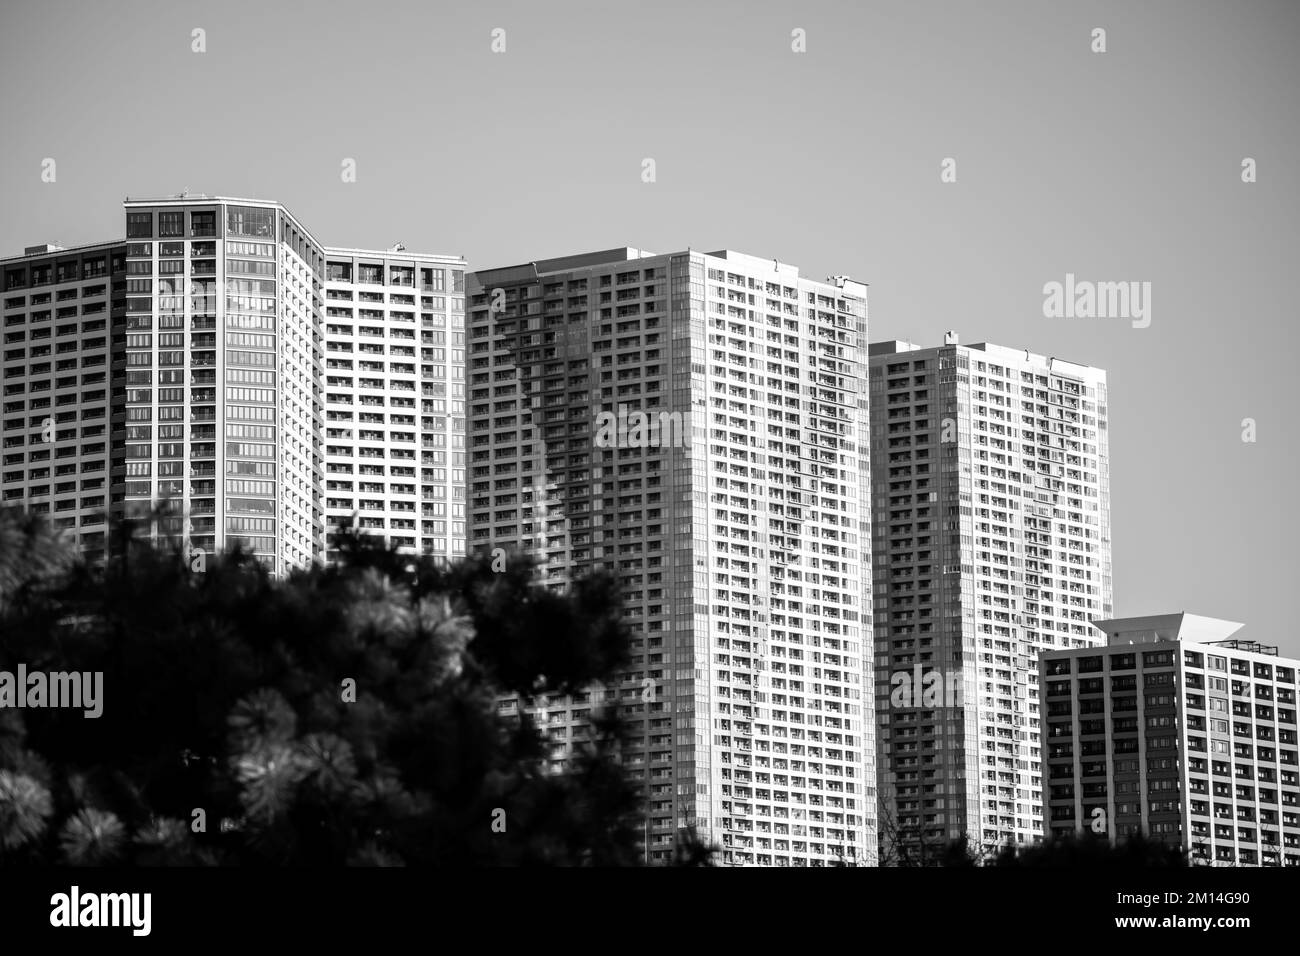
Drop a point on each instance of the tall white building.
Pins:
(395, 397)
(191, 363)
(696, 424)
(991, 501)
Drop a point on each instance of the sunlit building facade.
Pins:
(194, 378)
(991, 523)
(695, 424)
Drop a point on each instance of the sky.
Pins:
(1123, 165)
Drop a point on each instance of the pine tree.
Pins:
(341, 716)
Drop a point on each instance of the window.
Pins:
(249, 267)
(264, 395)
(203, 224)
(139, 225)
(250, 376)
(252, 505)
(237, 286)
(247, 414)
(256, 359)
(264, 322)
(255, 432)
(262, 249)
(250, 340)
(239, 487)
(171, 223)
(236, 449)
(250, 221)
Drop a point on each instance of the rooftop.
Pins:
(997, 353)
(1253, 646)
(1181, 626)
(189, 198)
(399, 254)
(542, 267)
(52, 250)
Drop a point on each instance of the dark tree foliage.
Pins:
(226, 691)
(905, 848)
(1089, 850)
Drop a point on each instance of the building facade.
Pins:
(1178, 732)
(60, 308)
(696, 425)
(395, 397)
(991, 542)
(201, 344)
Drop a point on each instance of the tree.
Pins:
(342, 715)
(1091, 850)
(909, 847)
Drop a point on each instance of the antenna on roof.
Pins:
(398, 247)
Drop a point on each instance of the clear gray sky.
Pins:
(1117, 166)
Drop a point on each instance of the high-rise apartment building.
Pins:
(58, 306)
(696, 425)
(991, 543)
(395, 397)
(222, 360)
(1178, 732)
